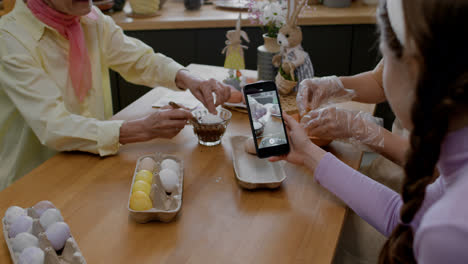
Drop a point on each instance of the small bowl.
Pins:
(210, 134)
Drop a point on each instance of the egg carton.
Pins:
(165, 206)
(70, 254)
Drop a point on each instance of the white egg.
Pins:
(170, 164)
(21, 224)
(148, 164)
(31, 255)
(22, 241)
(58, 233)
(42, 206)
(49, 217)
(169, 180)
(249, 146)
(13, 212)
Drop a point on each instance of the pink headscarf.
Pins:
(69, 27)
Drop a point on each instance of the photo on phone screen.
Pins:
(267, 122)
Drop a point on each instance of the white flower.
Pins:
(270, 13)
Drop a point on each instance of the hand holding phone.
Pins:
(266, 120)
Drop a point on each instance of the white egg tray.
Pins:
(165, 207)
(253, 172)
(70, 254)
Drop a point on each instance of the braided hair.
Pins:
(437, 32)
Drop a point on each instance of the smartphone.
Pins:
(266, 119)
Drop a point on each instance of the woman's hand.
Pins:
(165, 123)
(317, 92)
(335, 123)
(303, 151)
(203, 89)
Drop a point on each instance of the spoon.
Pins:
(177, 106)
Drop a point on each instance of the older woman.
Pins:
(55, 92)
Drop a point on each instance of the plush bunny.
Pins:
(234, 48)
(294, 61)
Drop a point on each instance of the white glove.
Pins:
(316, 92)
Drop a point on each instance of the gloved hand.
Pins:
(352, 126)
(316, 92)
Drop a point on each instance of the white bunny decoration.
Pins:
(294, 61)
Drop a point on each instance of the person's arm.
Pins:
(41, 104)
(377, 204)
(133, 59)
(395, 147)
(368, 86)
(138, 63)
(374, 202)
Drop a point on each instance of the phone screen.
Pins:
(267, 121)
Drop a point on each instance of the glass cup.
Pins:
(209, 130)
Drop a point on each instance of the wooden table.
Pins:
(219, 222)
(174, 16)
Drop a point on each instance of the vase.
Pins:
(265, 53)
(271, 44)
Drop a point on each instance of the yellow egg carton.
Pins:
(70, 254)
(165, 207)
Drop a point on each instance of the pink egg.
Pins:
(58, 233)
(21, 224)
(42, 206)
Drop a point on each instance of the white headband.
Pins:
(397, 19)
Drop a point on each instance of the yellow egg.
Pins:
(144, 175)
(141, 186)
(140, 201)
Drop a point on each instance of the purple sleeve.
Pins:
(372, 201)
(442, 244)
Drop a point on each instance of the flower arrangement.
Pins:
(270, 14)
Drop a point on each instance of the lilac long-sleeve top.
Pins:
(440, 226)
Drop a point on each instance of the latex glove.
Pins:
(352, 126)
(203, 90)
(317, 92)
